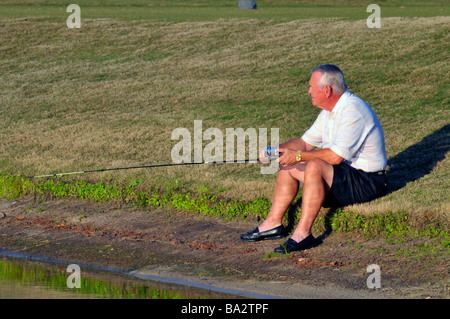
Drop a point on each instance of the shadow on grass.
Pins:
(292, 215)
(418, 160)
(327, 223)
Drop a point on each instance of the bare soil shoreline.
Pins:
(207, 251)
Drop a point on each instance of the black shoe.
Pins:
(291, 245)
(255, 235)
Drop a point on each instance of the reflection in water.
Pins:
(24, 279)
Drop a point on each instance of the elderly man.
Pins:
(340, 160)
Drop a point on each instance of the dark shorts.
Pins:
(353, 186)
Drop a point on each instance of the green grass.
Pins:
(110, 94)
(392, 226)
(179, 11)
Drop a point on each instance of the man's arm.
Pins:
(325, 154)
(288, 155)
(297, 144)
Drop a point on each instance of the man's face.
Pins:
(317, 94)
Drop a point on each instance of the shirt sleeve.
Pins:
(313, 135)
(350, 136)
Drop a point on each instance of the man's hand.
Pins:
(263, 158)
(268, 154)
(288, 157)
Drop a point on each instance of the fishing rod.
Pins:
(141, 166)
(271, 154)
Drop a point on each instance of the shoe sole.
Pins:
(306, 247)
(265, 238)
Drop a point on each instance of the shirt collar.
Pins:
(341, 102)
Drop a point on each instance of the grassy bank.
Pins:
(111, 93)
(396, 227)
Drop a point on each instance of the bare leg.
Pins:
(286, 188)
(318, 180)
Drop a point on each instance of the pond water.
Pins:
(31, 279)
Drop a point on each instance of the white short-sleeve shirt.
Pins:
(352, 131)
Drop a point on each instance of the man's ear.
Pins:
(328, 91)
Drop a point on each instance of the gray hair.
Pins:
(332, 76)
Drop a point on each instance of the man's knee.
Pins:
(296, 171)
(315, 165)
(321, 167)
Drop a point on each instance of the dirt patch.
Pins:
(170, 243)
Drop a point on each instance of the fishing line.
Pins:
(141, 166)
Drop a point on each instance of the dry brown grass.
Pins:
(111, 93)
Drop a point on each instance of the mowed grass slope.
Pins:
(111, 93)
